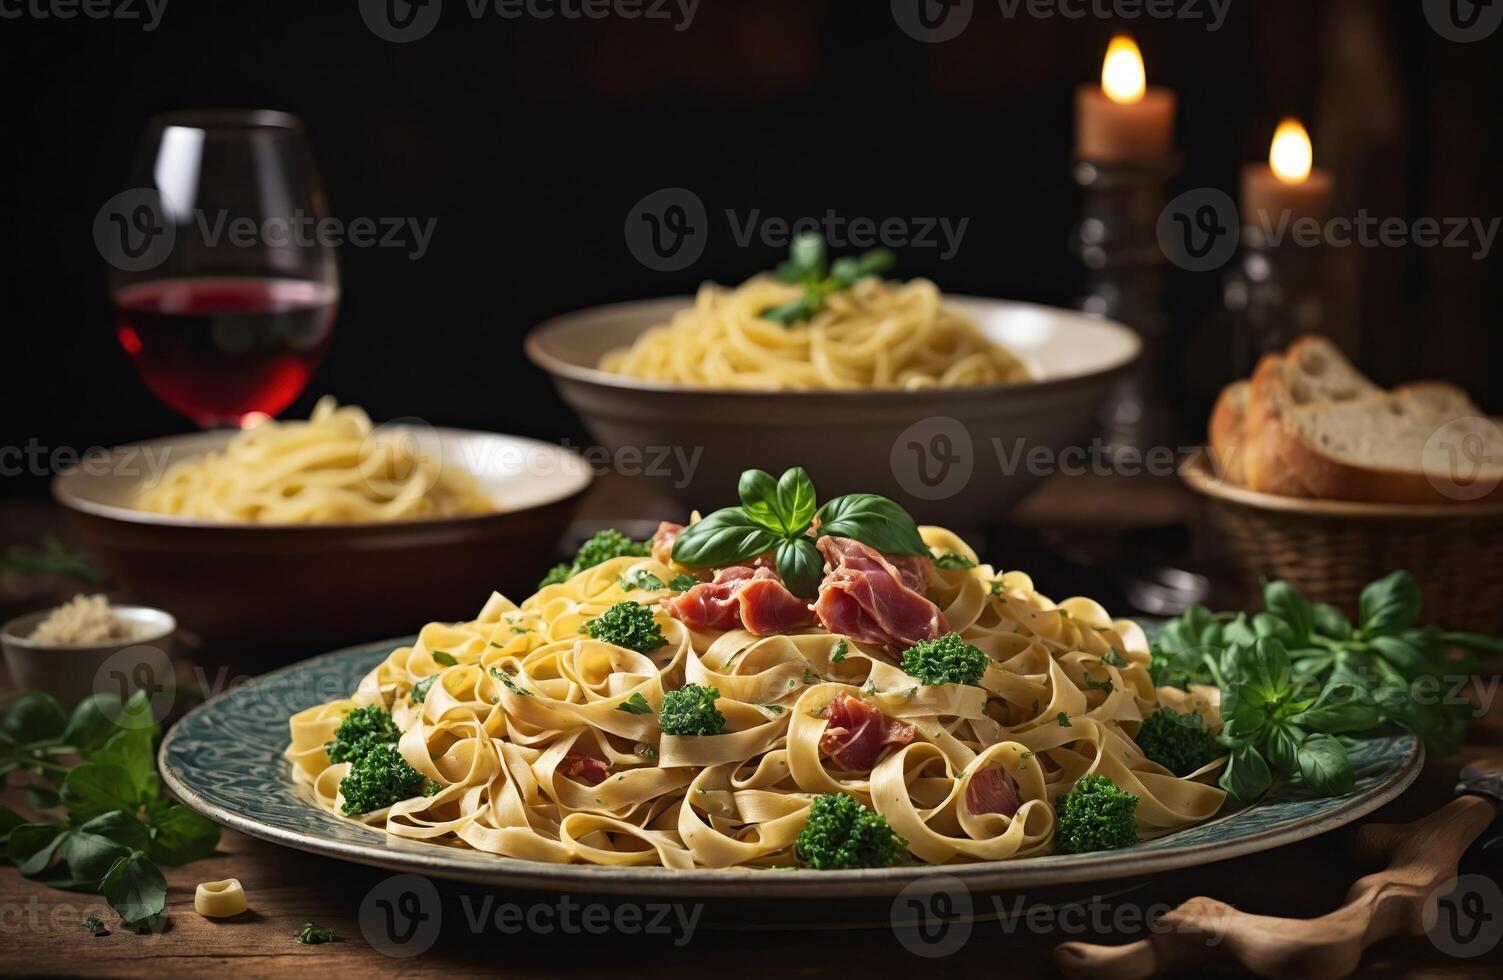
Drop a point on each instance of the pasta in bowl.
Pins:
(862, 390)
(683, 705)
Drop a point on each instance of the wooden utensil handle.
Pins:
(1421, 856)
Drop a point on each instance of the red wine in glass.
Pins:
(226, 328)
(226, 350)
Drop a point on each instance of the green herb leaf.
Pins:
(444, 657)
(34, 716)
(725, 537)
(92, 724)
(635, 705)
(1390, 603)
(873, 520)
(1246, 776)
(135, 888)
(952, 560)
(31, 845)
(1331, 622)
(1286, 602)
(800, 566)
(1325, 766)
(92, 789)
(180, 835)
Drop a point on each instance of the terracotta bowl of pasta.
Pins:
(945, 404)
(294, 535)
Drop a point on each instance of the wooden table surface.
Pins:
(40, 931)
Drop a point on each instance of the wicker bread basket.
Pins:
(1330, 549)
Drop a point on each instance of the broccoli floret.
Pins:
(628, 624)
(420, 689)
(602, 546)
(947, 660)
(1096, 816)
(1180, 743)
(841, 833)
(362, 730)
(691, 711)
(380, 778)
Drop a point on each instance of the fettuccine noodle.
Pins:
(876, 334)
(332, 468)
(526, 687)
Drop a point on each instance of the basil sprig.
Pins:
(806, 266)
(1299, 677)
(776, 515)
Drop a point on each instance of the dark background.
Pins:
(530, 141)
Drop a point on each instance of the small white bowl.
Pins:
(72, 673)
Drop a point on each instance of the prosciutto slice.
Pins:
(742, 596)
(870, 599)
(662, 541)
(857, 733)
(585, 768)
(992, 790)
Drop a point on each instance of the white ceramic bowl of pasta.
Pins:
(289, 588)
(959, 456)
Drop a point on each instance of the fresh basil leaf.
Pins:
(1268, 626)
(1272, 678)
(92, 722)
(1325, 766)
(132, 750)
(180, 835)
(806, 259)
(1243, 720)
(847, 271)
(1390, 603)
(759, 500)
(87, 858)
(443, 657)
(1403, 656)
(1246, 776)
(635, 705)
(31, 845)
(34, 716)
(794, 311)
(94, 788)
(42, 798)
(135, 889)
(874, 521)
(795, 500)
(120, 827)
(1285, 601)
(1282, 747)
(723, 538)
(1308, 668)
(1240, 631)
(1339, 717)
(800, 566)
(1332, 622)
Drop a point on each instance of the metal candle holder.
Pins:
(1117, 242)
(1274, 293)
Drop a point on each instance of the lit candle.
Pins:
(1124, 120)
(1289, 187)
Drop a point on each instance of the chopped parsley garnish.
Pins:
(510, 684)
(380, 778)
(444, 657)
(420, 689)
(361, 731)
(95, 925)
(627, 624)
(953, 559)
(602, 546)
(841, 649)
(947, 660)
(312, 935)
(841, 833)
(1064, 720)
(635, 705)
(691, 710)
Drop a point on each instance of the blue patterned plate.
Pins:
(224, 759)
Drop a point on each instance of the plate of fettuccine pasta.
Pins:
(819, 688)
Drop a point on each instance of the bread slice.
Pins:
(1424, 443)
(1227, 425)
(1313, 370)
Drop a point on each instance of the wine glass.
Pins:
(222, 271)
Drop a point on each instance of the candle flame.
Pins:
(1122, 76)
(1291, 155)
